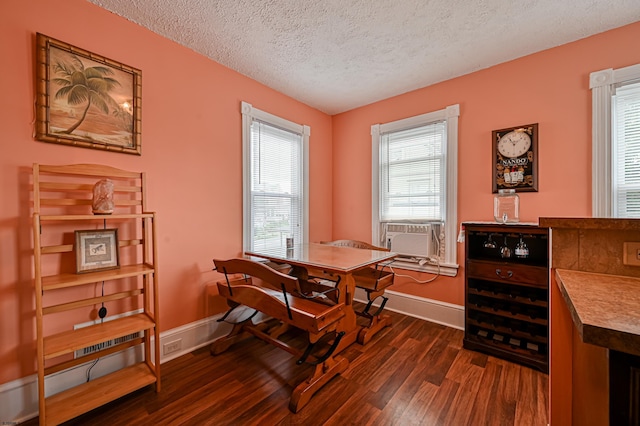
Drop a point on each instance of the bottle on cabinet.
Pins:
(506, 206)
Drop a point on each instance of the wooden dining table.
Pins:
(334, 263)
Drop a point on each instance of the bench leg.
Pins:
(222, 344)
(238, 332)
(377, 321)
(321, 375)
(321, 358)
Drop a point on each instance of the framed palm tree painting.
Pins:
(86, 100)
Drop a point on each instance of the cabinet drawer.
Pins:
(505, 272)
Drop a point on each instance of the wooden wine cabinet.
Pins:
(507, 297)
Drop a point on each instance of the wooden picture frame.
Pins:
(96, 250)
(515, 158)
(86, 100)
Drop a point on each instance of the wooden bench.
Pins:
(374, 282)
(281, 297)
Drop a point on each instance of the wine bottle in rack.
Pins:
(533, 313)
(496, 290)
(498, 322)
(514, 293)
(514, 309)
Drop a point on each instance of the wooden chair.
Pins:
(281, 296)
(373, 281)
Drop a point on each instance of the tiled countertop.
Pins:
(605, 308)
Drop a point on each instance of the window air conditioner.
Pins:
(411, 240)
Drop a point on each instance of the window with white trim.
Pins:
(275, 180)
(616, 142)
(414, 193)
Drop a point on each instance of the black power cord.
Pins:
(102, 313)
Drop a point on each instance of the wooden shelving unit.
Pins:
(507, 297)
(62, 197)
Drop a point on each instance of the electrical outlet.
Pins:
(171, 347)
(631, 254)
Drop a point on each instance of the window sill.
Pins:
(445, 269)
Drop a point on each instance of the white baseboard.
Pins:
(19, 398)
(419, 307)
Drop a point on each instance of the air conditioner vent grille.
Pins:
(406, 228)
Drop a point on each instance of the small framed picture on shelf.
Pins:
(96, 250)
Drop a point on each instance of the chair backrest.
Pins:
(261, 271)
(354, 244)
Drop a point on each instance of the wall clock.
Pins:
(515, 158)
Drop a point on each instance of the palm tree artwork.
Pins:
(80, 85)
(85, 91)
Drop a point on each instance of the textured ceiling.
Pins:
(336, 55)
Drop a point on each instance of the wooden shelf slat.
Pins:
(522, 356)
(522, 334)
(87, 170)
(50, 202)
(96, 216)
(507, 314)
(61, 248)
(51, 369)
(64, 186)
(502, 296)
(52, 309)
(53, 282)
(72, 340)
(68, 248)
(71, 403)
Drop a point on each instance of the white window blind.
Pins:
(411, 167)
(275, 182)
(275, 185)
(626, 151)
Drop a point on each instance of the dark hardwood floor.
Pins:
(413, 373)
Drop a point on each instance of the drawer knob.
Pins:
(504, 277)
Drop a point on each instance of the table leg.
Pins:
(321, 375)
(377, 323)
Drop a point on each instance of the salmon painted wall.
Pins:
(191, 151)
(550, 88)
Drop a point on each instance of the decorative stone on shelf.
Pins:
(103, 197)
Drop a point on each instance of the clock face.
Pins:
(514, 144)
